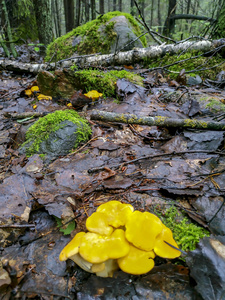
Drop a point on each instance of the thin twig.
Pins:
(154, 156)
(18, 226)
(146, 26)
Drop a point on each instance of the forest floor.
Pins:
(152, 168)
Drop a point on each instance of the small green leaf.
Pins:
(36, 49)
(69, 227)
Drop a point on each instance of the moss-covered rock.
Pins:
(104, 82)
(56, 134)
(99, 35)
(63, 83)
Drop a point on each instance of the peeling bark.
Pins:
(155, 121)
(122, 58)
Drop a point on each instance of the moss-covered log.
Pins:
(155, 121)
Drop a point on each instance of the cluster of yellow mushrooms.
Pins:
(119, 237)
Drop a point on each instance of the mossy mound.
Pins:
(95, 40)
(214, 104)
(43, 137)
(104, 82)
(204, 66)
(186, 234)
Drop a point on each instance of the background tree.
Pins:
(93, 11)
(132, 7)
(87, 8)
(101, 7)
(170, 23)
(44, 21)
(56, 16)
(77, 22)
(69, 14)
(8, 31)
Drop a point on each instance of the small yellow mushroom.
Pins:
(93, 94)
(97, 248)
(142, 229)
(116, 212)
(71, 248)
(164, 250)
(137, 261)
(35, 89)
(44, 97)
(28, 92)
(98, 223)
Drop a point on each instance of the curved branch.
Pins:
(192, 17)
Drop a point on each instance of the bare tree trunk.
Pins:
(159, 17)
(55, 21)
(152, 10)
(120, 5)
(44, 21)
(78, 12)
(169, 25)
(93, 12)
(9, 32)
(188, 11)
(109, 5)
(69, 14)
(87, 15)
(58, 16)
(101, 7)
(143, 8)
(114, 5)
(132, 7)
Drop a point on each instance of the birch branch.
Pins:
(155, 121)
(122, 58)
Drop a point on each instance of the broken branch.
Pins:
(155, 121)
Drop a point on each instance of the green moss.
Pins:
(190, 64)
(219, 29)
(104, 82)
(41, 129)
(94, 41)
(214, 104)
(186, 234)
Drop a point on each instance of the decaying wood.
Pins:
(24, 115)
(122, 58)
(155, 121)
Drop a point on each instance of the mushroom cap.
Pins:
(71, 248)
(96, 248)
(116, 212)
(164, 250)
(35, 89)
(98, 223)
(137, 261)
(93, 94)
(142, 229)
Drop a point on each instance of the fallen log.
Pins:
(155, 121)
(121, 58)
